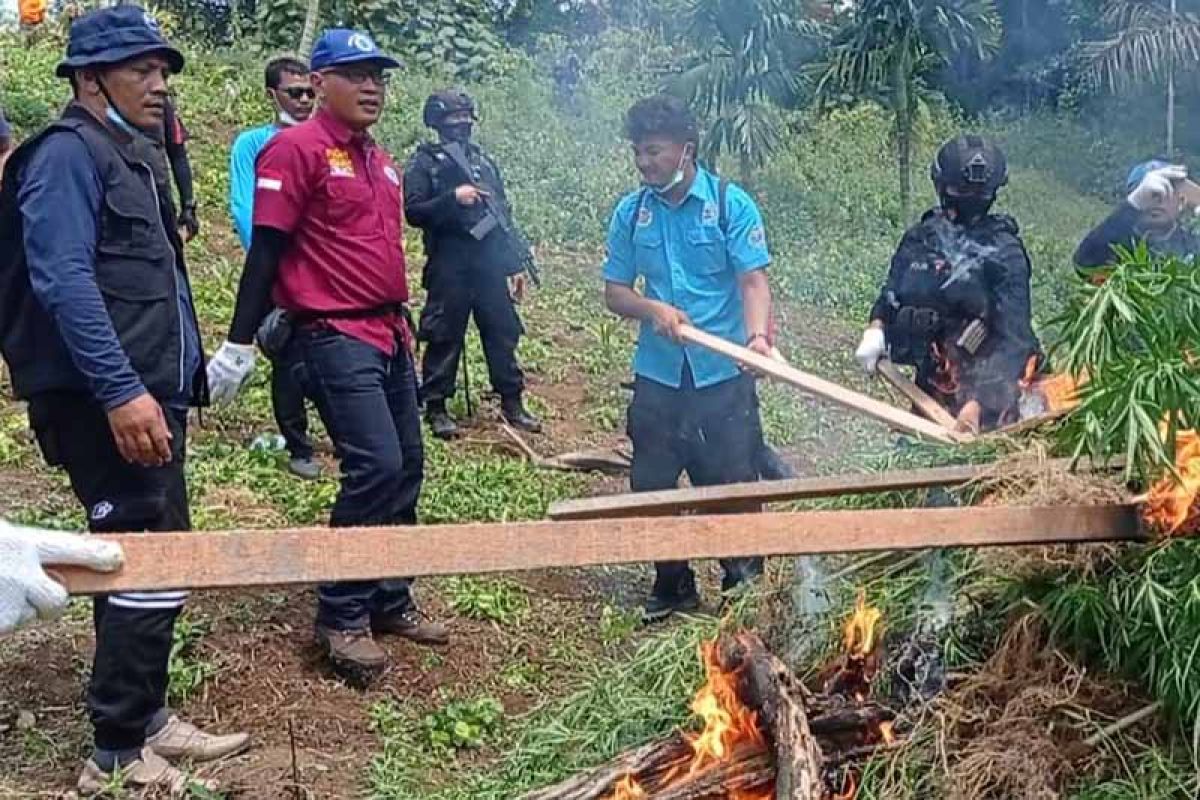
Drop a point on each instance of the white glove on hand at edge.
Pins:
(228, 369)
(872, 348)
(1156, 187)
(26, 591)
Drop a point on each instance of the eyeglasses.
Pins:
(360, 75)
(296, 92)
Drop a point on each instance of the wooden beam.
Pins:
(238, 558)
(916, 395)
(826, 390)
(736, 495)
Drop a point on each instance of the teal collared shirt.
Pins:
(688, 262)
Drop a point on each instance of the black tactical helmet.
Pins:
(444, 103)
(970, 164)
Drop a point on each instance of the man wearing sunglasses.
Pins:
(328, 244)
(291, 95)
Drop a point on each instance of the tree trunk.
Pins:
(902, 100)
(310, 29)
(1171, 86)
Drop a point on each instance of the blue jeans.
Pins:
(368, 402)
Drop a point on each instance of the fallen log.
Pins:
(713, 498)
(826, 390)
(238, 558)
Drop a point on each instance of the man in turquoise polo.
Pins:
(698, 243)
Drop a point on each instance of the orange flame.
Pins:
(945, 376)
(862, 629)
(727, 720)
(887, 733)
(629, 789)
(1059, 392)
(1170, 502)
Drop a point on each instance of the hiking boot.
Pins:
(441, 424)
(150, 772)
(305, 468)
(660, 607)
(414, 625)
(178, 739)
(516, 415)
(354, 654)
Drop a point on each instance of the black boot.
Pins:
(516, 415)
(441, 424)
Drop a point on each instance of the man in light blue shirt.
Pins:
(698, 244)
(290, 93)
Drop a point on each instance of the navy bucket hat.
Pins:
(338, 46)
(112, 35)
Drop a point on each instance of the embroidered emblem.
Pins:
(340, 165)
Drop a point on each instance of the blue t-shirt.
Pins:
(246, 148)
(689, 263)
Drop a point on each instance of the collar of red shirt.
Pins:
(342, 133)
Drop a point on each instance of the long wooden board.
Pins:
(240, 558)
(916, 395)
(819, 387)
(735, 495)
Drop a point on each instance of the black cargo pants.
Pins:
(713, 434)
(134, 629)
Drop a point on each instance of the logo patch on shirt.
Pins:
(758, 237)
(709, 215)
(340, 165)
(644, 217)
(270, 184)
(391, 175)
(101, 510)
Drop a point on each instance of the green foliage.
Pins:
(1146, 42)
(499, 601)
(462, 724)
(187, 670)
(1134, 338)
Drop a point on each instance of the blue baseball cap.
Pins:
(338, 46)
(112, 35)
(1138, 173)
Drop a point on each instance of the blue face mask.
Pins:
(115, 117)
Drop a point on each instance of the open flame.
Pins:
(862, 629)
(1170, 504)
(887, 732)
(728, 723)
(945, 375)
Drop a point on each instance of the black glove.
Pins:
(189, 221)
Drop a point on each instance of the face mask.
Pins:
(967, 209)
(676, 178)
(459, 132)
(286, 119)
(115, 117)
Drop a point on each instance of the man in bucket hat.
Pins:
(100, 336)
(327, 246)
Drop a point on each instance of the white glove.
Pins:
(26, 591)
(228, 369)
(872, 348)
(1156, 187)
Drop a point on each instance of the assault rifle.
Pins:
(496, 216)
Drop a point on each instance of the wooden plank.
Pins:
(719, 498)
(916, 395)
(819, 387)
(240, 558)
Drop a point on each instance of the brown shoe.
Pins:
(354, 653)
(150, 773)
(414, 625)
(178, 739)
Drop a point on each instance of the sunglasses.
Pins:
(360, 75)
(296, 92)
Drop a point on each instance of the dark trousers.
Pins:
(287, 402)
(454, 297)
(713, 434)
(368, 402)
(133, 630)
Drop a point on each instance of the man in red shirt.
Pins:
(327, 248)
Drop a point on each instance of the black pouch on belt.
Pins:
(910, 333)
(274, 333)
